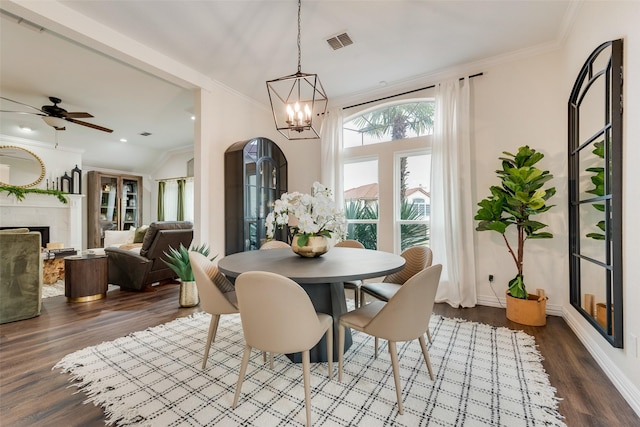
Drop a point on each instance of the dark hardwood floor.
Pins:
(32, 394)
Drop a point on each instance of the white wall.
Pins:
(514, 104)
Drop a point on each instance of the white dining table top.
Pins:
(337, 265)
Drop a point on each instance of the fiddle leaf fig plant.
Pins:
(178, 260)
(519, 197)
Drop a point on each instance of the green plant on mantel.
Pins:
(21, 192)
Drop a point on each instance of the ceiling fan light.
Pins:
(55, 122)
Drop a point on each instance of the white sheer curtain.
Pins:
(451, 204)
(171, 200)
(331, 154)
(189, 213)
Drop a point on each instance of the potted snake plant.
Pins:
(513, 203)
(178, 261)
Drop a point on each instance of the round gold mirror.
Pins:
(20, 167)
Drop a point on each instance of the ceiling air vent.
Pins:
(339, 41)
(145, 134)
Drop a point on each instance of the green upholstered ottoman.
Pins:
(20, 274)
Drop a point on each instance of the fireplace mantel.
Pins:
(64, 220)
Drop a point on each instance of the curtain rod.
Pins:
(403, 93)
(173, 179)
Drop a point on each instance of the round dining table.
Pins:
(322, 278)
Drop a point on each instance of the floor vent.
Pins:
(339, 41)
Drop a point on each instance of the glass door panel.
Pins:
(109, 215)
(130, 204)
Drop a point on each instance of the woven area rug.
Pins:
(485, 376)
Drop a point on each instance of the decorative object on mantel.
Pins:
(67, 183)
(296, 100)
(21, 192)
(178, 261)
(315, 215)
(519, 197)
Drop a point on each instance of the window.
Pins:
(172, 206)
(361, 201)
(412, 178)
(386, 174)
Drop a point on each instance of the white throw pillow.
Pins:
(117, 237)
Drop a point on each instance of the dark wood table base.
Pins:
(327, 298)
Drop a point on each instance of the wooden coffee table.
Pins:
(85, 277)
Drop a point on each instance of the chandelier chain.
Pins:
(299, 54)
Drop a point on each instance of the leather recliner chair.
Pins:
(133, 271)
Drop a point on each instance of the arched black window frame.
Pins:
(611, 135)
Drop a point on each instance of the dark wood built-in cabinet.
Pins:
(255, 174)
(114, 202)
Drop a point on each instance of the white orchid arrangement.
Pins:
(316, 213)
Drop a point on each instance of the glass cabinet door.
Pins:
(130, 204)
(109, 213)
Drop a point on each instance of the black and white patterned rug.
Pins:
(485, 376)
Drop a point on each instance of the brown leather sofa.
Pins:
(133, 271)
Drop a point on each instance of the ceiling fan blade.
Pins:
(21, 103)
(77, 115)
(90, 125)
(22, 112)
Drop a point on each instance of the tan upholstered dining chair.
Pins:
(354, 285)
(217, 294)
(404, 317)
(417, 259)
(278, 317)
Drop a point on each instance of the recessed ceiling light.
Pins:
(193, 117)
(123, 139)
(26, 129)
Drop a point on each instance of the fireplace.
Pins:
(43, 230)
(63, 221)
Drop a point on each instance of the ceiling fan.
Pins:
(55, 116)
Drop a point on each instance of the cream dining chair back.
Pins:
(355, 284)
(217, 294)
(404, 317)
(274, 244)
(278, 317)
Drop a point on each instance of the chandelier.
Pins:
(296, 100)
